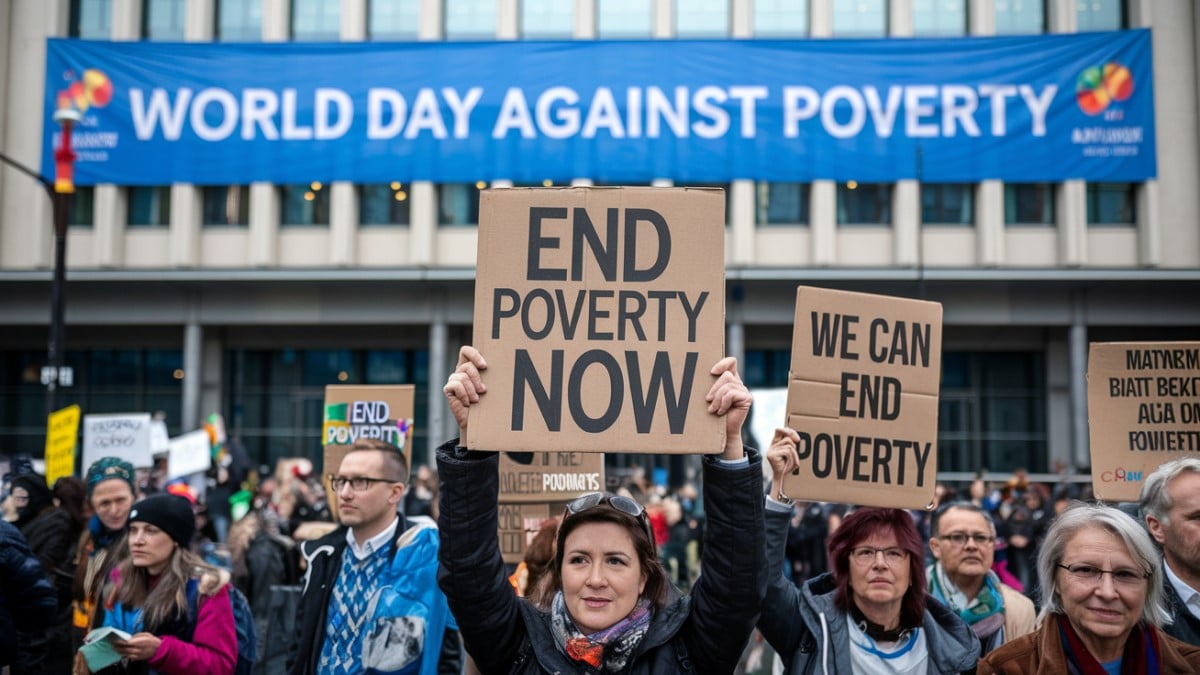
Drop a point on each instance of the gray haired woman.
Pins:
(1102, 587)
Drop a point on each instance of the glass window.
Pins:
(305, 204)
(992, 412)
(163, 20)
(951, 203)
(1028, 204)
(937, 18)
(864, 203)
(780, 18)
(149, 206)
(383, 204)
(393, 19)
(547, 19)
(458, 203)
(860, 18)
(91, 19)
(624, 18)
(1111, 203)
(83, 207)
(767, 368)
(470, 19)
(701, 18)
(226, 205)
(316, 20)
(1101, 15)
(239, 20)
(781, 203)
(1018, 17)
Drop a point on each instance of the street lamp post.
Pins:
(64, 193)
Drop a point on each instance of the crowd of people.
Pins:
(1013, 578)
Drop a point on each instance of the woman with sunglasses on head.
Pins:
(871, 614)
(1102, 588)
(608, 605)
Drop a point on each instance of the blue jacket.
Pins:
(406, 598)
(24, 591)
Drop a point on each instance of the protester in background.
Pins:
(421, 496)
(1103, 604)
(371, 601)
(534, 569)
(963, 541)
(1170, 505)
(871, 614)
(110, 489)
(611, 607)
(26, 595)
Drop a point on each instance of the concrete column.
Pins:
(354, 20)
(906, 224)
(276, 20)
(735, 342)
(193, 371)
(127, 19)
(264, 225)
(110, 225)
(663, 19)
(1140, 14)
(1070, 206)
(200, 20)
(1149, 225)
(585, 19)
(900, 18)
(741, 199)
(1061, 16)
(989, 223)
(508, 20)
(441, 426)
(981, 17)
(820, 18)
(423, 212)
(343, 224)
(1077, 339)
(742, 19)
(430, 25)
(186, 213)
(212, 375)
(823, 215)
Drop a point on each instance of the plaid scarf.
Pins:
(608, 650)
(1141, 655)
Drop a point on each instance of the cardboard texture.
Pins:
(519, 523)
(600, 312)
(364, 411)
(863, 394)
(550, 477)
(1143, 411)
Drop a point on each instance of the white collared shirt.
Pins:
(1187, 594)
(374, 543)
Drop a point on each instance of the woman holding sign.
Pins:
(871, 614)
(612, 607)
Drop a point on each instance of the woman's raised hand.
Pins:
(782, 456)
(465, 386)
(730, 398)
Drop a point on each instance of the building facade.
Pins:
(249, 299)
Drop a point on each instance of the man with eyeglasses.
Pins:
(370, 599)
(963, 544)
(1170, 505)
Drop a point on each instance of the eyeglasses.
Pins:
(865, 555)
(357, 483)
(621, 503)
(1121, 577)
(961, 539)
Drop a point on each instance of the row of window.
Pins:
(774, 204)
(320, 20)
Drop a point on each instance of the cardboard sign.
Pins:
(600, 312)
(1143, 411)
(863, 395)
(188, 454)
(62, 430)
(550, 477)
(519, 524)
(352, 412)
(126, 436)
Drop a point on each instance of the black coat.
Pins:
(1185, 627)
(24, 591)
(703, 633)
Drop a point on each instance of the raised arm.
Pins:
(780, 622)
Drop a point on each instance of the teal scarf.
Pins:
(984, 614)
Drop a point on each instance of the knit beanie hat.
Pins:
(107, 468)
(40, 498)
(169, 513)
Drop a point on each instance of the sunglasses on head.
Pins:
(620, 503)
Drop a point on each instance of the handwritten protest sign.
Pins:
(549, 476)
(188, 453)
(600, 312)
(62, 430)
(1143, 411)
(126, 436)
(519, 523)
(384, 412)
(863, 395)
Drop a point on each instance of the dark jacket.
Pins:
(24, 591)
(1184, 627)
(408, 580)
(811, 634)
(703, 633)
(52, 539)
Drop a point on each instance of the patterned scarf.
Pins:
(1141, 655)
(608, 650)
(984, 614)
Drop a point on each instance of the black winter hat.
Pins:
(168, 513)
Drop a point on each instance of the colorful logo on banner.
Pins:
(1097, 87)
(94, 89)
(348, 422)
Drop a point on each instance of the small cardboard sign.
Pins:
(1143, 411)
(352, 412)
(519, 524)
(188, 454)
(126, 436)
(600, 312)
(62, 430)
(863, 395)
(550, 476)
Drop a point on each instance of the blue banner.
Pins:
(1021, 109)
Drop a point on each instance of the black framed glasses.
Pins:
(356, 483)
(961, 539)
(1092, 575)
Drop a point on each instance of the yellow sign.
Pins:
(62, 429)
